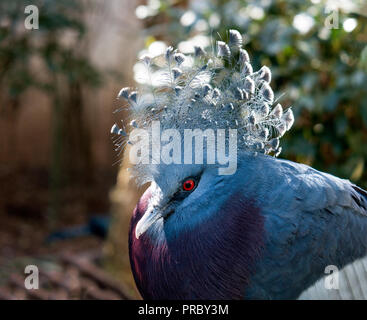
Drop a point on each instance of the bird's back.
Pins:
(313, 220)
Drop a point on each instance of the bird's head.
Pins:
(182, 197)
(209, 92)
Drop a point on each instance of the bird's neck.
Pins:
(213, 262)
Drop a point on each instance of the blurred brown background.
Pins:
(58, 87)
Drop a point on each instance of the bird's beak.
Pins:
(149, 217)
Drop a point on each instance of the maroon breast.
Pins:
(213, 261)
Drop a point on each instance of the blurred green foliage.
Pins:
(18, 46)
(320, 72)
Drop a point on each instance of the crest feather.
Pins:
(218, 90)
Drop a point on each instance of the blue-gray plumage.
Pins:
(266, 232)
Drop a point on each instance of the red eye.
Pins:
(188, 185)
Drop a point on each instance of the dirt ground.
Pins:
(25, 219)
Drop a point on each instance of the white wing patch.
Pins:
(352, 285)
